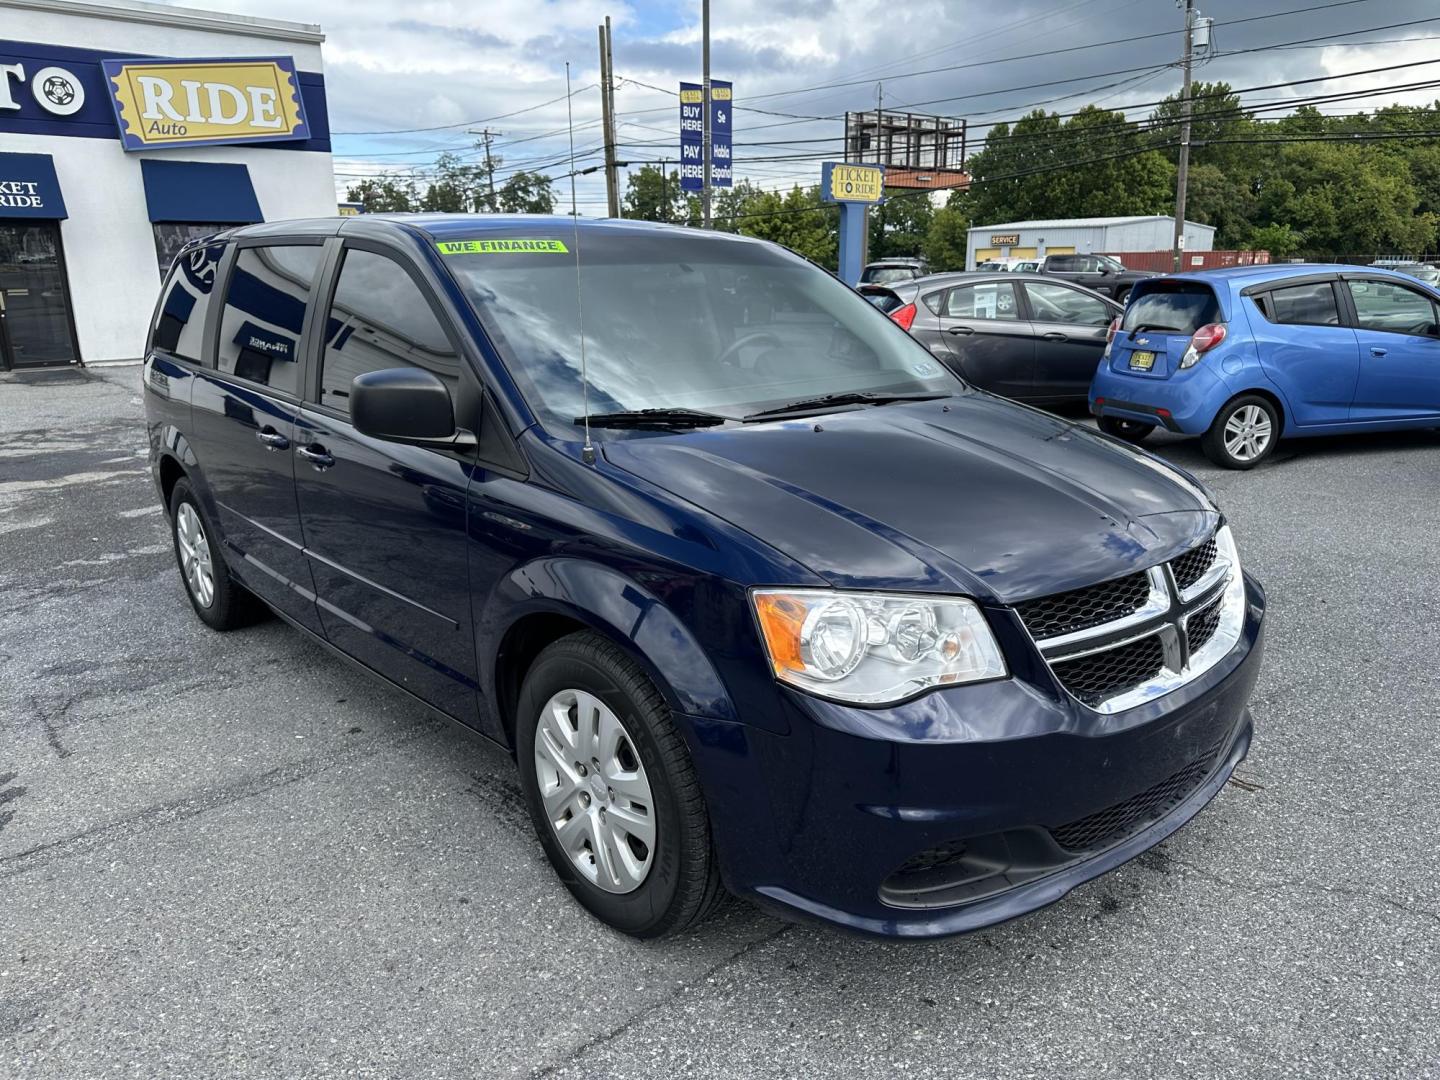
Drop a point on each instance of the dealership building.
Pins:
(1082, 236)
(124, 132)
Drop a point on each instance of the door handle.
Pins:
(272, 439)
(317, 455)
(1375, 350)
(960, 330)
(1053, 336)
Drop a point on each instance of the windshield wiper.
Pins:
(849, 398)
(656, 418)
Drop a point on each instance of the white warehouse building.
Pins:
(124, 132)
(1081, 236)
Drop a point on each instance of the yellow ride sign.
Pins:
(206, 102)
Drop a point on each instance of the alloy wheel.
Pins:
(596, 795)
(1247, 433)
(195, 561)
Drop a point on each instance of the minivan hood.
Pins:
(970, 494)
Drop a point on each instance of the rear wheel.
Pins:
(1122, 295)
(1244, 433)
(612, 791)
(1134, 431)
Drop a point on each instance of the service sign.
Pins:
(1009, 239)
(206, 102)
(852, 183)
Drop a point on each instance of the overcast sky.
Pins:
(429, 63)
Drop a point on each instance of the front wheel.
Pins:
(612, 791)
(1243, 434)
(1133, 431)
(1122, 295)
(220, 601)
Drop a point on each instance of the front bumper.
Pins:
(816, 823)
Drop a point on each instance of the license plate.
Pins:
(1142, 361)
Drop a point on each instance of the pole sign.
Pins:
(206, 102)
(844, 183)
(692, 137)
(720, 129)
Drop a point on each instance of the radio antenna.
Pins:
(587, 451)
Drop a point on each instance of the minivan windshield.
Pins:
(1180, 307)
(678, 321)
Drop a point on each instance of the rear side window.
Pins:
(1311, 304)
(1066, 263)
(180, 318)
(264, 313)
(1177, 307)
(380, 319)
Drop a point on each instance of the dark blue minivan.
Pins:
(760, 596)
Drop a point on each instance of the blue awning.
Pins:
(29, 188)
(199, 192)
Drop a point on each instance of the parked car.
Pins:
(1246, 356)
(1420, 272)
(1105, 275)
(758, 594)
(1019, 335)
(883, 271)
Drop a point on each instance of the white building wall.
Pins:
(108, 240)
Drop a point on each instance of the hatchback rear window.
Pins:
(879, 275)
(1181, 307)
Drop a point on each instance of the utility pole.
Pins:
(1182, 174)
(490, 168)
(607, 116)
(705, 80)
(877, 158)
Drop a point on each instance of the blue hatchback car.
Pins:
(758, 595)
(1246, 356)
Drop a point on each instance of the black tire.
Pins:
(1122, 295)
(230, 605)
(1132, 431)
(1213, 442)
(682, 885)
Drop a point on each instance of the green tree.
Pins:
(456, 187)
(900, 224)
(945, 242)
(526, 193)
(1281, 241)
(383, 194)
(652, 195)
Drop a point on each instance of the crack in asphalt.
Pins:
(203, 801)
(655, 1006)
(1301, 884)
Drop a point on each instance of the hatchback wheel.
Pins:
(612, 791)
(1243, 434)
(221, 603)
(1134, 431)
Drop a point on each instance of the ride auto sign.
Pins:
(206, 102)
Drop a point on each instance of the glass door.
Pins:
(35, 326)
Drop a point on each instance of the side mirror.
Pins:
(405, 405)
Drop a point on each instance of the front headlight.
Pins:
(874, 648)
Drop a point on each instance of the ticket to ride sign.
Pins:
(206, 102)
(852, 183)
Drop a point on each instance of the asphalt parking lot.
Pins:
(231, 856)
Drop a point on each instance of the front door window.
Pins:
(34, 305)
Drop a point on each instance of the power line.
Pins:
(467, 123)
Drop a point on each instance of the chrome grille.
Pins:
(1080, 609)
(1124, 641)
(1191, 567)
(1100, 675)
(1202, 626)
